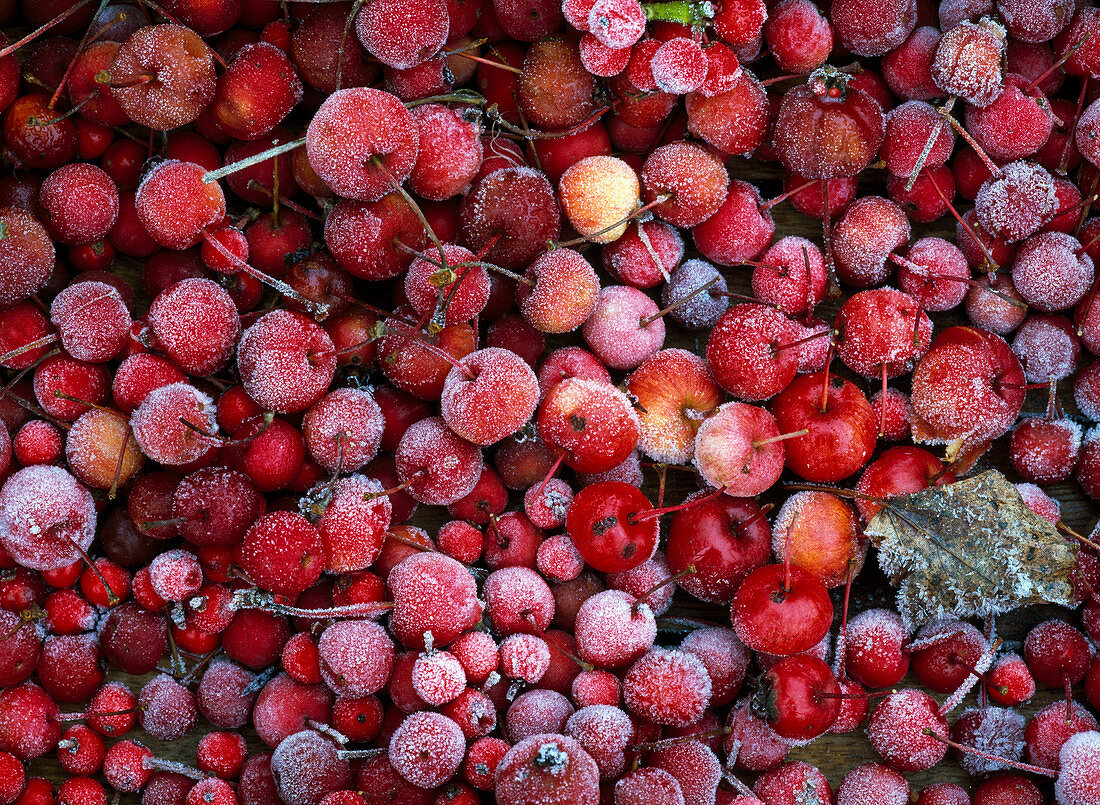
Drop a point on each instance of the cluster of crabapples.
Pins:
(282, 282)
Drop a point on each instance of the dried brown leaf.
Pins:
(970, 548)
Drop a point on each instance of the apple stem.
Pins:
(633, 517)
(1069, 532)
(679, 624)
(481, 59)
(870, 694)
(1012, 764)
(882, 404)
(112, 598)
(60, 395)
(112, 493)
(381, 166)
(743, 524)
(139, 708)
(283, 200)
(493, 113)
(970, 281)
(255, 159)
(832, 291)
(44, 341)
(838, 491)
(777, 79)
(648, 320)
(1086, 201)
(157, 764)
(662, 476)
(378, 311)
(255, 598)
(1080, 43)
(1001, 384)
(550, 474)
(780, 438)
(993, 266)
(316, 309)
(740, 297)
(1071, 134)
(918, 166)
(666, 743)
(787, 194)
(393, 490)
(805, 340)
(14, 46)
(584, 666)
(841, 651)
(957, 660)
(79, 48)
(824, 404)
(992, 166)
(661, 199)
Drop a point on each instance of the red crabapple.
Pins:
(163, 76)
(47, 518)
(174, 424)
(592, 422)
(1016, 203)
(176, 206)
(92, 320)
(286, 361)
(738, 450)
(781, 612)
(564, 293)
(809, 116)
(196, 324)
(359, 139)
(489, 395)
(547, 767)
(675, 392)
(625, 327)
(432, 593)
(80, 203)
(968, 61)
(343, 429)
(27, 253)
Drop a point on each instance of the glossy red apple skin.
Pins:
(900, 470)
(799, 697)
(841, 438)
(772, 618)
(725, 538)
(602, 524)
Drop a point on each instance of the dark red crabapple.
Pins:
(781, 610)
(47, 517)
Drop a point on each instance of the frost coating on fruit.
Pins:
(1079, 780)
(286, 361)
(667, 687)
(351, 129)
(994, 730)
(427, 749)
(159, 432)
(547, 769)
(27, 254)
(47, 518)
(896, 730)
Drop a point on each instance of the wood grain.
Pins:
(834, 754)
